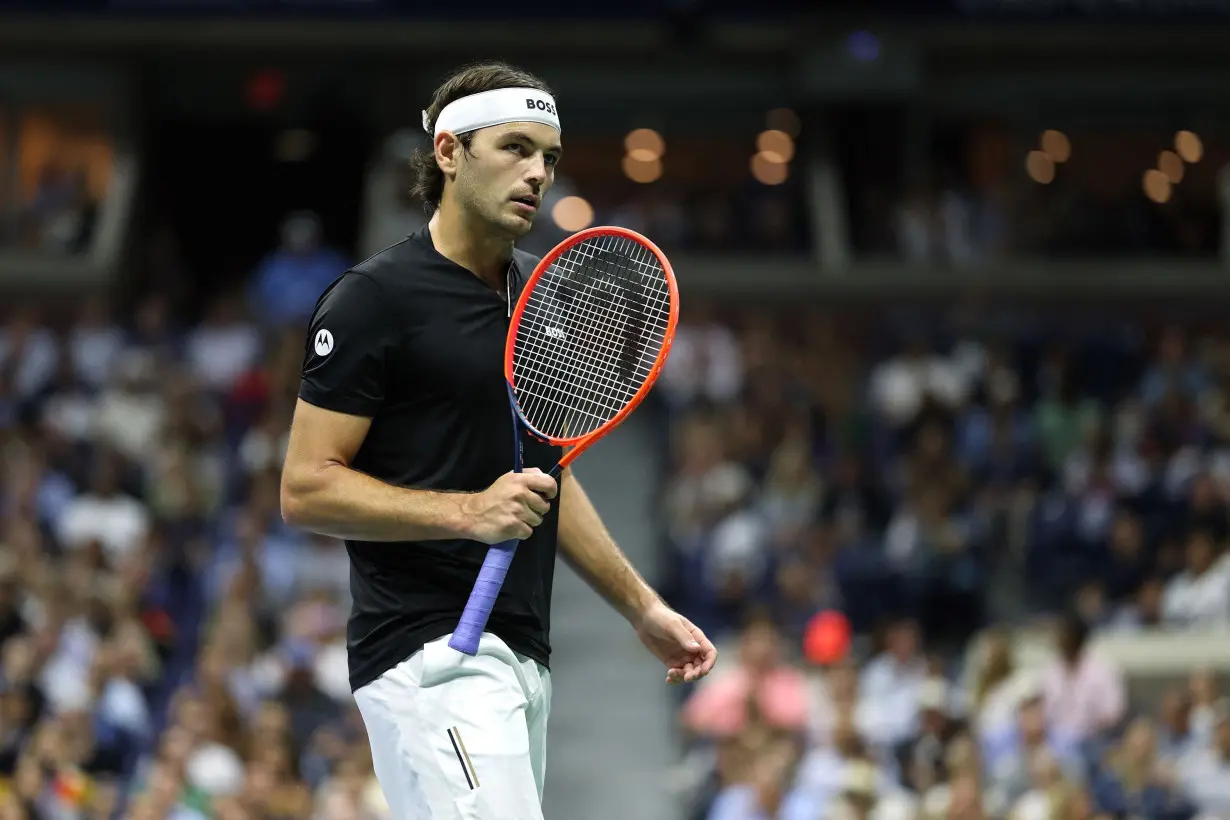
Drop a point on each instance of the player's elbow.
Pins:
(293, 508)
(299, 496)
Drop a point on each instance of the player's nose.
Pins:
(536, 174)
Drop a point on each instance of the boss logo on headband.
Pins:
(541, 105)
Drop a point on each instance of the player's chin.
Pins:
(518, 224)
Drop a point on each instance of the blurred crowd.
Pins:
(169, 650)
(965, 475)
(953, 223)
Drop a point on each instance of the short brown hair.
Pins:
(473, 79)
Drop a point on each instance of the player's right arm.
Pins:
(341, 391)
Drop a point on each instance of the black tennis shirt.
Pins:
(416, 343)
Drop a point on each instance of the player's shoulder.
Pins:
(525, 263)
(393, 262)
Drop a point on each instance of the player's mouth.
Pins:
(527, 204)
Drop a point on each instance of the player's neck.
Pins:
(471, 244)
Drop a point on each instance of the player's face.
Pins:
(507, 172)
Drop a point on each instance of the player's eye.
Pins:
(515, 147)
(552, 159)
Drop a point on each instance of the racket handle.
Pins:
(482, 598)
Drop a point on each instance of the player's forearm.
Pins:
(589, 549)
(338, 501)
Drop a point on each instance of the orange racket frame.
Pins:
(578, 444)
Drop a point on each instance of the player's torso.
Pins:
(445, 424)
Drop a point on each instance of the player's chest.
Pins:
(457, 349)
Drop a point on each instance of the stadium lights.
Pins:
(573, 213)
(643, 160)
(1169, 163)
(1188, 146)
(644, 144)
(642, 171)
(768, 172)
(1156, 186)
(776, 146)
(1040, 167)
(1056, 145)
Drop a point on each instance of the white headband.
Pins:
(497, 107)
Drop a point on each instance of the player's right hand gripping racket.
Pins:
(588, 337)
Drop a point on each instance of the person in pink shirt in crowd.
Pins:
(1084, 693)
(761, 683)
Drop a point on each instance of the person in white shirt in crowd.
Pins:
(1175, 737)
(1199, 596)
(890, 686)
(900, 386)
(1204, 774)
(1084, 692)
(825, 771)
(105, 514)
(224, 346)
(131, 411)
(706, 361)
(1206, 705)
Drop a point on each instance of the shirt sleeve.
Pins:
(347, 346)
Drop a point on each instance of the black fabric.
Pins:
(416, 343)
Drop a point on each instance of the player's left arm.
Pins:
(588, 547)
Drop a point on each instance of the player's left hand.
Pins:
(676, 641)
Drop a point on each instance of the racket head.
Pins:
(591, 265)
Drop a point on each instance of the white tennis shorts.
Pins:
(460, 738)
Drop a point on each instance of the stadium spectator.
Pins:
(1200, 594)
(761, 688)
(1084, 692)
(1205, 772)
(291, 279)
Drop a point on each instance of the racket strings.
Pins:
(589, 325)
(590, 334)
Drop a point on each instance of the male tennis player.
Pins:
(400, 445)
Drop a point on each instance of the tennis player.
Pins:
(399, 445)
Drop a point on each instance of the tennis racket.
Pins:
(588, 337)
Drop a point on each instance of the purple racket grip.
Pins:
(482, 598)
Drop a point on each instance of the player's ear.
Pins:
(448, 148)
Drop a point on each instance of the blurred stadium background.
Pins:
(941, 459)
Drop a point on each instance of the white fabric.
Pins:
(889, 690)
(220, 354)
(1199, 600)
(1205, 777)
(497, 107)
(497, 702)
(215, 770)
(899, 386)
(119, 523)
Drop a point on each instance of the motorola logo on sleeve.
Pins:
(324, 342)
